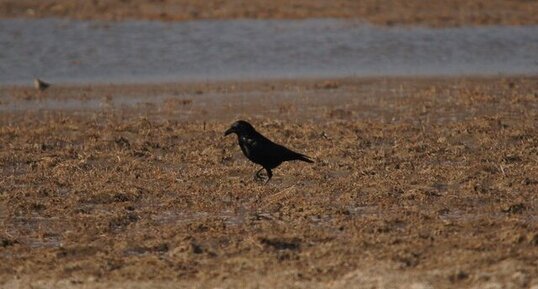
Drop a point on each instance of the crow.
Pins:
(261, 150)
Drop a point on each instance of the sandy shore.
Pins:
(418, 183)
(385, 12)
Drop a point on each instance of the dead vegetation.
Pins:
(428, 181)
(385, 12)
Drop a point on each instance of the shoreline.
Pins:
(276, 80)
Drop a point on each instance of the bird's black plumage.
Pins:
(261, 150)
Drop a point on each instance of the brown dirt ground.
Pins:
(384, 12)
(418, 183)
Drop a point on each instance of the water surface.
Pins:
(144, 51)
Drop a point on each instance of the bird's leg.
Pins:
(269, 175)
(257, 175)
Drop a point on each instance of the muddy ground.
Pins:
(385, 12)
(418, 183)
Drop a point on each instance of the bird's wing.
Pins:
(278, 152)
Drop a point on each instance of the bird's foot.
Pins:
(260, 177)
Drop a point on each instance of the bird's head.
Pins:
(240, 127)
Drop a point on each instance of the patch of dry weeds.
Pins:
(416, 182)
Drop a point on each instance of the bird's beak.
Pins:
(229, 131)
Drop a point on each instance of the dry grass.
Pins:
(416, 182)
(385, 12)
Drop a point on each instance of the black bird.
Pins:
(261, 150)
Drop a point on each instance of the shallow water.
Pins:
(66, 51)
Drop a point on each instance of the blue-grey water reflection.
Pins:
(144, 51)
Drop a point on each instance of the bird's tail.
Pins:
(304, 158)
